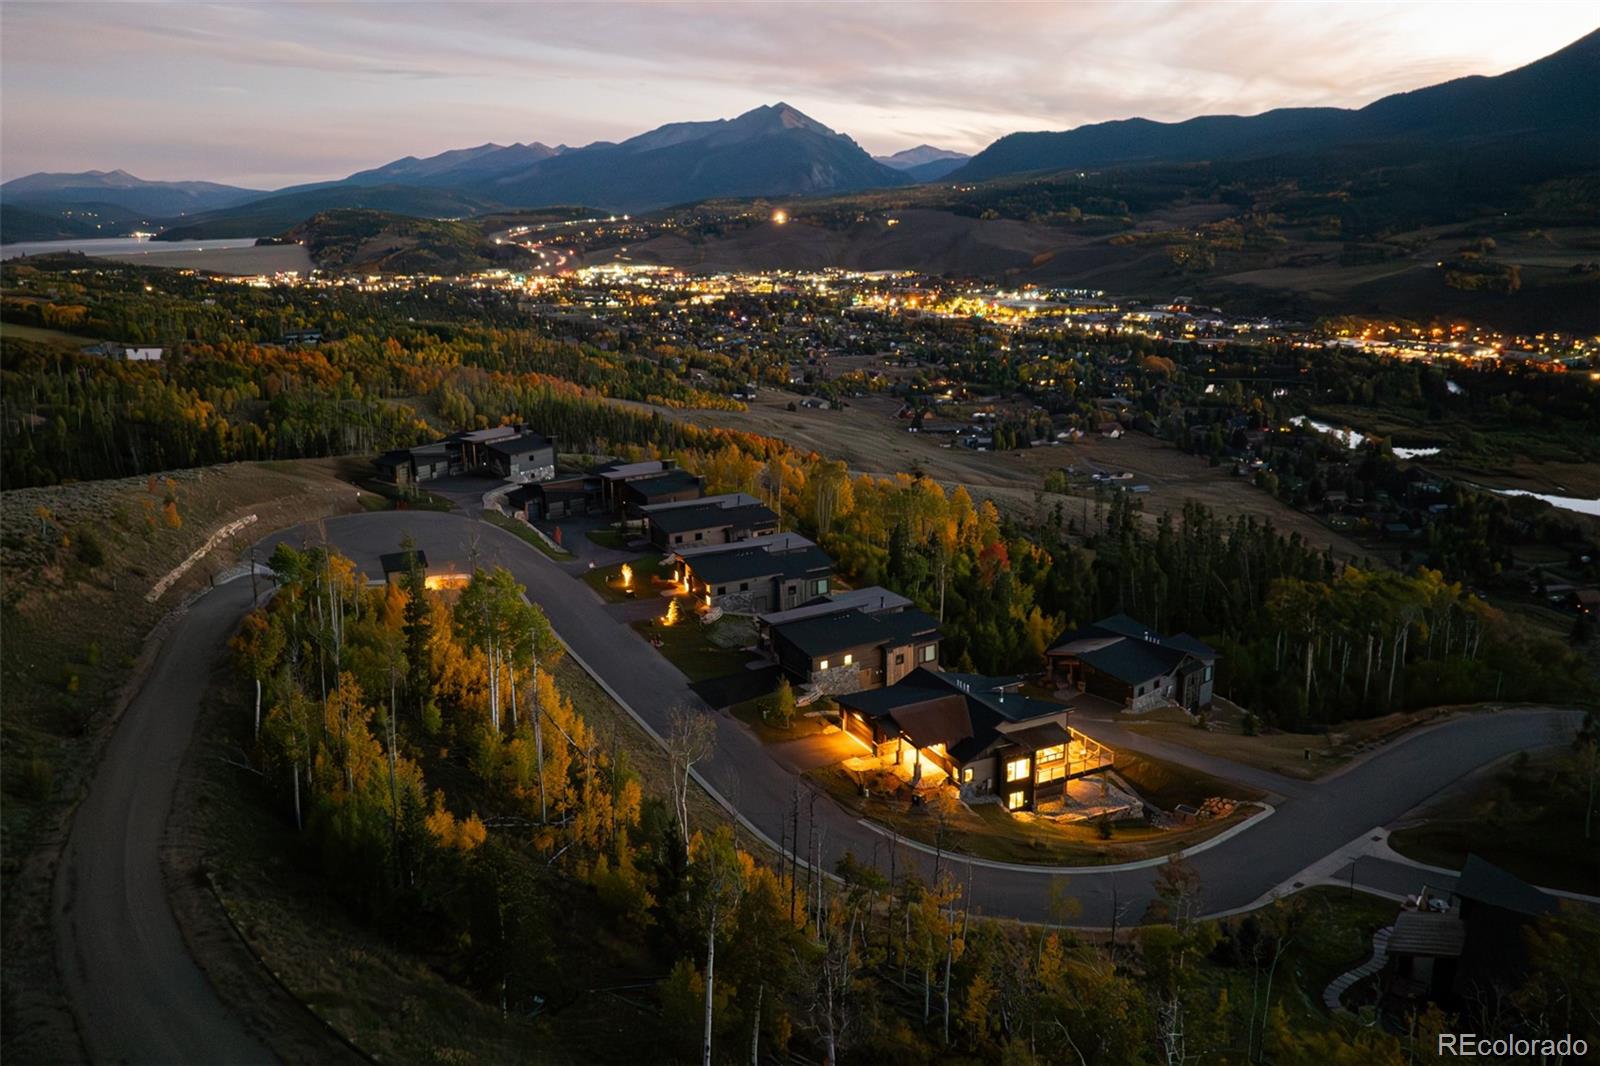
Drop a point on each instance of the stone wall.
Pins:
(838, 680)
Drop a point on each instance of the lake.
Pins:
(119, 246)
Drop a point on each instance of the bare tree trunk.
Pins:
(258, 708)
(711, 963)
(298, 824)
(537, 713)
(755, 1028)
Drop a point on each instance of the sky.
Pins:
(266, 95)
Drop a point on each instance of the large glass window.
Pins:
(1054, 753)
(1017, 769)
(1016, 800)
(929, 653)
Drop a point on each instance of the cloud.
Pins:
(346, 86)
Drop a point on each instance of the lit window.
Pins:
(1053, 753)
(966, 775)
(1207, 675)
(824, 665)
(1017, 769)
(1016, 800)
(929, 653)
(849, 658)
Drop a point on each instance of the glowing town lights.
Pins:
(627, 576)
(780, 217)
(671, 617)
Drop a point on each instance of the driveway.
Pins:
(1312, 821)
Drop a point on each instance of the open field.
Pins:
(868, 437)
(1285, 753)
(12, 330)
(261, 259)
(1504, 813)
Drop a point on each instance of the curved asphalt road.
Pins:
(137, 993)
(1312, 820)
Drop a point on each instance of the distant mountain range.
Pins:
(1550, 107)
(924, 162)
(1492, 133)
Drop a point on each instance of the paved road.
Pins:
(137, 993)
(1311, 822)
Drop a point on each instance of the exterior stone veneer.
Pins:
(838, 680)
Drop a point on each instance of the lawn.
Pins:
(689, 646)
(1166, 784)
(989, 831)
(1514, 817)
(607, 580)
(381, 496)
(608, 538)
(752, 714)
(1283, 753)
(511, 525)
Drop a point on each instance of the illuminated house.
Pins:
(1124, 661)
(849, 641)
(753, 576)
(981, 732)
(722, 519)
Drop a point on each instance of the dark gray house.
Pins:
(712, 520)
(755, 576)
(1122, 660)
(860, 639)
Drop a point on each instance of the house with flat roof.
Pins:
(756, 575)
(669, 486)
(525, 457)
(563, 497)
(512, 453)
(711, 520)
(1122, 660)
(613, 476)
(854, 640)
(981, 732)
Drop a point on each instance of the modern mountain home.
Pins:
(981, 732)
(753, 576)
(511, 453)
(711, 520)
(1124, 661)
(849, 641)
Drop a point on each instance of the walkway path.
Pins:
(1333, 995)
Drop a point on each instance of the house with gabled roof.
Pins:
(981, 732)
(753, 576)
(1122, 660)
(854, 640)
